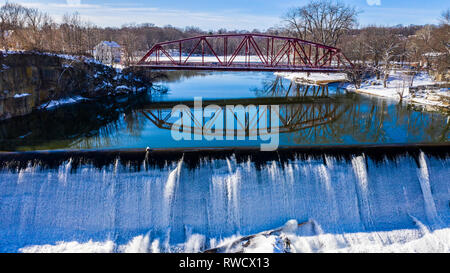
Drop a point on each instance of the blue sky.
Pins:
(231, 14)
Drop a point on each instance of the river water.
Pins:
(361, 203)
(342, 119)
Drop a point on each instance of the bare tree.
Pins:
(33, 34)
(403, 86)
(383, 47)
(91, 37)
(11, 20)
(129, 42)
(72, 34)
(321, 21)
(445, 18)
(389, 53)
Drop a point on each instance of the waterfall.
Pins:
(325, 178)
(169, 191)
(118, 208)
(232, 184)
(362, 178)
(359, 167)
(424, 178)
(64, 171)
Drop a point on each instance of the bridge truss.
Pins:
(241, 52)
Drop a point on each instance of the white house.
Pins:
(108, 52)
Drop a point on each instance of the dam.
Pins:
(194, 200)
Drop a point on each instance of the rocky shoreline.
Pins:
(30, 81)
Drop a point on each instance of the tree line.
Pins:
(23, 28)
(323, 21)
(377, 47)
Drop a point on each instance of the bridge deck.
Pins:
(216, 67)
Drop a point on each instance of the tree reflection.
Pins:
(338, 119)
(281, 87)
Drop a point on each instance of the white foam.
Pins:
(71, 247)
(139, 244)
(287, 240)
(195, 243)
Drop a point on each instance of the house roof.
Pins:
(110, 44)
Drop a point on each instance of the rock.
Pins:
(12, 107)
(290, 227)
(49, 77)
(433, 97)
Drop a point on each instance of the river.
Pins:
(341, 119)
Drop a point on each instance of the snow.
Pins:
(62, 56)
(110, 44)
(16, 96)
(313, 78)
(433, 54)
(398, 85)
(123, 87)
(57, 103)
(119, 67)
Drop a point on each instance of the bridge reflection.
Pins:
(301, 108)
(292, 118)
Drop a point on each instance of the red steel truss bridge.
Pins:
(245, 52)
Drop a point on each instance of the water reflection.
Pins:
(337, 118)
(67, 126)
(292, 118)
(281, 87)
(175, 76)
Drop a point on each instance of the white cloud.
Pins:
(73, 2)
(374, 2)
(115, 15)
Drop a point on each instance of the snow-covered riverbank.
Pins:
(313, 78)
(398, 87)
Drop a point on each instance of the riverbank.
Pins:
(313, 78)
(424, 90)
(36, 81)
